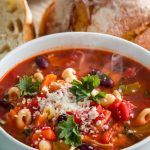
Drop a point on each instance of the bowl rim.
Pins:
(41, 39)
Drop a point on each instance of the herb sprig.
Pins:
(27, 87)
(69, 131)
(84, 88)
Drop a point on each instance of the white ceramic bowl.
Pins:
(71, 40)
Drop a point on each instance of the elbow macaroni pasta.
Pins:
(143, 117)
(24, 118)
(110, 98)
(69, 74)
(117, 95)
(14, 93)
(50, 113)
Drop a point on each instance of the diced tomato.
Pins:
(76, 117)
(99, 109)
(104, 117)
(43, 94)
(48, 134)
(33, 105)
(92, 103)
(120, 111)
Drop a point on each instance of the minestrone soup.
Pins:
(76, 99)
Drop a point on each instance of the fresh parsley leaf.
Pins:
(78, 90)
(90, 82)
(69, 131)
(27, 87)
(84, 88)
(98, 97)
(27, 132)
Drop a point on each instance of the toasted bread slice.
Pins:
(123, 18)
(16, 24)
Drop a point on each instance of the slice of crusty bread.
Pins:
(144, 39)
(57, 17)
(15, 24)
(123, 18)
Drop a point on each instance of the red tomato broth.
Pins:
(83, 61)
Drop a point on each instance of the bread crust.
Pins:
(123, 18)
(144, 39)
(57, 17)
(28, 28)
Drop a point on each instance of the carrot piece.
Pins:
(13, 113)
(48, 79)
(41, 119)
(35, 137)
(49, 134)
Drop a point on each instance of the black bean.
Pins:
(85, 146)
(61, 118)
(41, 62)
(106, 81)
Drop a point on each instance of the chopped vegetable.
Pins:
(106, 137)
(130, 88)
(83, 90)
(27, 87)
(100, 95)
(48, 79)
(69, 131)
(78, 90)
(90, 82)
(48, 134)
(91, 141)
(120, 111)
(27, 132)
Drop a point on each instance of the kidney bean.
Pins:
(61, 118)
(41, 62)
(5, 104)
(106, 81)
(85, 146)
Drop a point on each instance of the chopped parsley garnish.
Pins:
(68, 130)
(99, 96)
(28, 87)
(90, 82)
(84, 88)
(27, 132)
